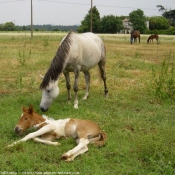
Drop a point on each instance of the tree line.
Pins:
(10, 26)
(113, 24)
(164, 24)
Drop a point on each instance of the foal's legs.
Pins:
(72, 157)
(48, 142)
(101, 65)
(79, 149)
(46, 139)
(67, 77)
(87, 79)
(33, 135)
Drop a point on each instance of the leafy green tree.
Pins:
(123, 17)
(158, 22)
(119, 23)
(168, 14)
(96, 23)
(24, 28)
(9, 26)
(1, 27)
(111, 24)
(138, 20)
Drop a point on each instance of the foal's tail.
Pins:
(102, 139)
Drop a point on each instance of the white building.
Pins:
(128, 26)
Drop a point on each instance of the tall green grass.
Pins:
(163, 81)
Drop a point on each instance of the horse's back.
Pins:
(136, 33)
(87, 50)
(91, 41)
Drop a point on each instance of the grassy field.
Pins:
(138, 116)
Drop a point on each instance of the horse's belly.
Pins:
(90, 58)
(71, 68)
(84, 63)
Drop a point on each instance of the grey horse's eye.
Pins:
(48, 91)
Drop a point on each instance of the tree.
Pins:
(1, 28)
(161, 8)
(111, 24)
(9, 26)
(158, 22)
(85, 24)
(119, 23)
(170, 15)
(138, 20)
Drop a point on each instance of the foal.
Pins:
(83, 131)
(151, 37)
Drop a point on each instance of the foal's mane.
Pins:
(57, 64)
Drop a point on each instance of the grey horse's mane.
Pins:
(57, 64)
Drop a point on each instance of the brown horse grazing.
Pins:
(151, 37)
(83, 131)
(134, 35)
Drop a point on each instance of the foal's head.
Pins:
(25, 121)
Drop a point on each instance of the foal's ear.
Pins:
(30, 109)
(24, 108)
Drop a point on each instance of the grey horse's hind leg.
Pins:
(87, 79)
(67, 77)
(103, 76)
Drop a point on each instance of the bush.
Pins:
(170, 31)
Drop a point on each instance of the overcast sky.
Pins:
(72, 12)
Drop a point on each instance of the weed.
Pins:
(163, 79)
(20, 82)
(46, 43)
(23, 57)
(137, 55)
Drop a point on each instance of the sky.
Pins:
(72, 12)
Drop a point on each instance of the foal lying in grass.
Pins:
(83, 131)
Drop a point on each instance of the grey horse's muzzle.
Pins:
(43, 109)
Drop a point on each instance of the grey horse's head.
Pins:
(49, 93)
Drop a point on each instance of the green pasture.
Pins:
(138, 115)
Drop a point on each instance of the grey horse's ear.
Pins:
(42, 77)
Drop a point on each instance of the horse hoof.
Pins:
(76, 106)
(106, 95)
(64, 157)
(57, 144)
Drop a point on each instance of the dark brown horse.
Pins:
(134, 35)
(151, 37)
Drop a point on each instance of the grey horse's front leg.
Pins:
(87, 79)
(67, 77)
(77, 73)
